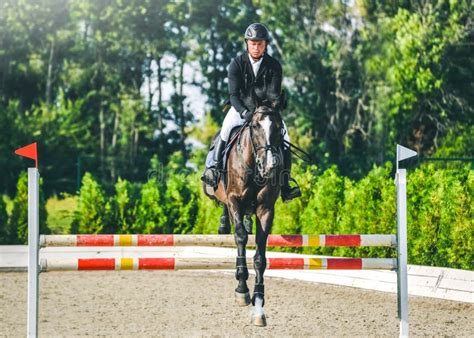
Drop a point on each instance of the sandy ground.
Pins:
(197, 303)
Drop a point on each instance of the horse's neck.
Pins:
(246, 147)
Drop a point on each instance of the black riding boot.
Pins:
(211, 174)
(288, 192)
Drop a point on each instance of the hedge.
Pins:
(440, 210)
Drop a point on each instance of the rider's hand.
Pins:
(246, 115)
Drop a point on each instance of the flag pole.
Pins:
(30, 151)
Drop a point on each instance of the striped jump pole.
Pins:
(218, 240)
(88, 264)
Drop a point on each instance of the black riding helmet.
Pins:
(257, 31)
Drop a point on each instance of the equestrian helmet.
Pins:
(257, 31)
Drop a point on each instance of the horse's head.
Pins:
(265, 129)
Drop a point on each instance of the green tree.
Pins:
(180, 197)
(323, 212)
(18, 224)
(93, 209)
(151, 215)
(415, 66)
(124, 205)
(4, 230)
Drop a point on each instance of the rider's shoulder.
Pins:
(272, 61)
(237, 63)
(240, 58)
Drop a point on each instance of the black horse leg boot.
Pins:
(288, 192)
(211, 174)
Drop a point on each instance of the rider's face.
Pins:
(256, 48)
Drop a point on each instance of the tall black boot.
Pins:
(288, 192)
(212, 174)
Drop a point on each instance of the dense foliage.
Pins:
(108, 90)
(440, 212)
(14, 229)
(103, 86)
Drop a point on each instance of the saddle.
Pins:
(234, 135)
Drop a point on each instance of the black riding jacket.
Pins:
(267, 83)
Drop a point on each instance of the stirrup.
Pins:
(288, 193)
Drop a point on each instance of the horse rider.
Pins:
(253, 70)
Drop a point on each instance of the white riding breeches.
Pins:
(233, 119)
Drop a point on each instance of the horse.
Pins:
(253, 179)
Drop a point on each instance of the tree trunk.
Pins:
(113, 164)
(160, 107)
(102, 139)
(215, 77)
(182, 120)
(49, 79)
(150, 92)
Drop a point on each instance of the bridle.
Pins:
(274, 148)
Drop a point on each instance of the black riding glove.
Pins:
(246, 115)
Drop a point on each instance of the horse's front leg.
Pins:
(264, 225)
(224, 226)
(242, 295)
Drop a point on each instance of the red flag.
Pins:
(29, 151)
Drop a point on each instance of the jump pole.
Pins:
(217, 240)
(179, 263)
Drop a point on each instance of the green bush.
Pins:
(4, 233)
(440, 222)
(124, 206)
(180, 196)
(151, 217)
(180, 202)
(93, 209)
(323, 211)
(61, 213)
(208, 212)
(440, 212)
(17, 232)
(369, 208)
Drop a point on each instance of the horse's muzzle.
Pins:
(267, 168)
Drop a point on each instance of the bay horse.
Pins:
(253, 179)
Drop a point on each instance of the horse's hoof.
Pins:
(242, 299)
(259, 320)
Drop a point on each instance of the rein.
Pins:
(308, 158)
